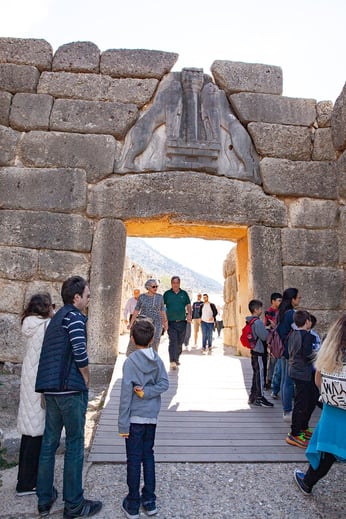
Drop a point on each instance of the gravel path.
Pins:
(195, 491)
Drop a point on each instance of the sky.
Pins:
(306, 38)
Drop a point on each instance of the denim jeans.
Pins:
(63, 411)
(140, 450)
(176, 334)
(207, 334)
(286, 387)
(276, 378)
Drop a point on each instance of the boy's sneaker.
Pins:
(20, 493)
(44, 510)
(129, 515)
(150, 508)
(87, 508)
(299, 479)
(274, 396)
(287, 417)
(308, 433)
(297, 441)
(264, 402)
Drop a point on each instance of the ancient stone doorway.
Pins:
(108, 258)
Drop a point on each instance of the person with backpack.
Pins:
(257, 335)
(290, 300)
(270, 318)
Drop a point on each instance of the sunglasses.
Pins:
(154, 286)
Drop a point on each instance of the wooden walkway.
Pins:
(204, 416)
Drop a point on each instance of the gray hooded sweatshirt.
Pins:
(259, 331)
(142, 368)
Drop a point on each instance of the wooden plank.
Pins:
(204, 417)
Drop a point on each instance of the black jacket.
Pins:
(213, 309)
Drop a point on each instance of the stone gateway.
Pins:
(95, 147)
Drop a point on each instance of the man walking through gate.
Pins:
(178, 309)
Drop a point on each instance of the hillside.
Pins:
(164, 268)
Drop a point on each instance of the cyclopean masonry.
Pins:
(97, 146)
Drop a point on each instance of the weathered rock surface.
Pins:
(235, 76)
(80, 56)
(339, 121)
(26, 51)
(137, 63)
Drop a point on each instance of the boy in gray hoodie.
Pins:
(144, 379)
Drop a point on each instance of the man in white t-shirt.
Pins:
(208, 312)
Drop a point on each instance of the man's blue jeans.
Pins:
(276, 378)
(176, 334)
(140, 450)
(207, 334)
(63, 411)
(286, 388)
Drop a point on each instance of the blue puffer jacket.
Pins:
(57, 371)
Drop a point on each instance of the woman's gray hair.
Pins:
(150, 282)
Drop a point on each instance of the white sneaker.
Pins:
(287, 417)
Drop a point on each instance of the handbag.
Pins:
(333, 389)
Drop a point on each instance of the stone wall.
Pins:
(256, 167)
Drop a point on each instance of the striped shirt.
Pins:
(75, 324)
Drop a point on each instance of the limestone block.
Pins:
(94, 153)
(309, 247)
(229, 266)
(297, 178)
(321, 288)
(18, 78)
(31, 111)
(339, 121)
(281, 141)
(323, 148)
(313, 214)
(17, 263)
(235, 76)
(137, 63)
(209, 198)
(12, 295)
(324, 111)
(266, 261)
(93, 117)
(108, 255)
(8, 143)
(342, 235)
(324, 319)
(79, 56)
(11, 340)
(5, 103)
(230, 288)
(58, 265)
(94, 87)
(26, 51)
(267, 108)
(341, 174)
(43, 230)
(40, 285)
(43, 189)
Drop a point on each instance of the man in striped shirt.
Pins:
(63, 377)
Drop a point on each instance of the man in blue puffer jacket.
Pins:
(63, 376)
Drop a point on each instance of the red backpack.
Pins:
(247, 337)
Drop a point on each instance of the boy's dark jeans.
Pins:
(257, 375)
(140, 450)
(305, 398)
